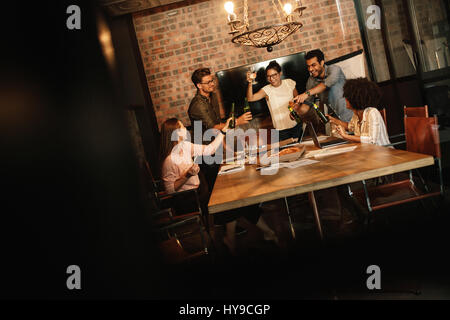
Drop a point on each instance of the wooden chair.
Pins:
(407, 112)
(178, 236)
(415, 111)
(383, 114)
(172, 229)
(422, 136)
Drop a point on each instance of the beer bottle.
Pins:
(293, 113)
(319, 112)
(246, 106)
(233, 117)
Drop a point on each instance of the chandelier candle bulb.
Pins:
(288, 8)
(299, 7)
(267, 36)
(232, 17)
(229, 7)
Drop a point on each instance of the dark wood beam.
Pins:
(171, 6)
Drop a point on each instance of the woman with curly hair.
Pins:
(362, 96)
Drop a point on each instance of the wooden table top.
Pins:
(367, 161)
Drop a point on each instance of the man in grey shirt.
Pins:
(327, 82)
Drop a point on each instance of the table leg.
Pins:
(289, 217)
(312, 199)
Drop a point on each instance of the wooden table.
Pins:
(367, 161)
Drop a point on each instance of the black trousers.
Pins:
(209, 172)
(250, 213)
(294, 132)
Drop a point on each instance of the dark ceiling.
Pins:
(120, 7)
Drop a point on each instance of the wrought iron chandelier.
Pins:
(268, 36)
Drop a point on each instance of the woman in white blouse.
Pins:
(367, 124)
(278, 93)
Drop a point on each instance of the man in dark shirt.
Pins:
(204, 107)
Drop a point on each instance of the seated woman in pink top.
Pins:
(179, 172)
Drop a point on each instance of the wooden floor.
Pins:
(409, 243)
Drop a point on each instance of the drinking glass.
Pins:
(252, 71)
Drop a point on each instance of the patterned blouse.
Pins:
(371, 129)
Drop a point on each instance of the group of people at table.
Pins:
(354, 101)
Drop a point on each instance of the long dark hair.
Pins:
(167, 128)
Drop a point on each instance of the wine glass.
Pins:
(251, 151)
(252, 71)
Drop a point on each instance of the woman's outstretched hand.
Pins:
(244, 118)
(341, 131)
(332, 119)
(227, 124)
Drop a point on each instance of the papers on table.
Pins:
(298, 163)
(237, 158)
(231, 168)
(328, 152)
(275, 145)
(291, 165)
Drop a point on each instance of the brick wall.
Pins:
(173, 47)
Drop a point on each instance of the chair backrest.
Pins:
(416, 111)
(383, 114)
(150, 176)
(422, 135)
(150, 184)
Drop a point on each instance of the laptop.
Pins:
(334, 142)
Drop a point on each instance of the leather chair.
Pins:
(177, 234)
(415, 111)
(383, 114)
(422, 136)
(407, 112)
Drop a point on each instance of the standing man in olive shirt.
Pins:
(204, 107)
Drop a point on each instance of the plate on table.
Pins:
(285, 155)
